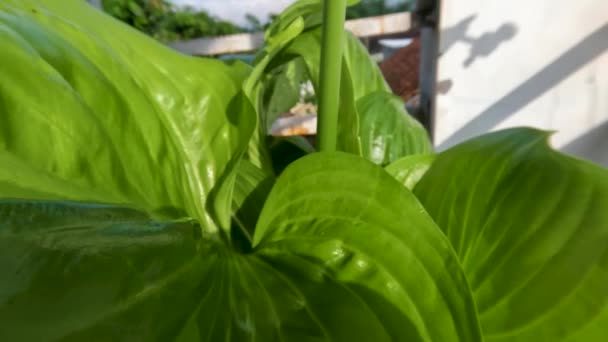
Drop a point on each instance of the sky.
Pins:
(235, 10)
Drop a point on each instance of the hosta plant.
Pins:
(139, 201)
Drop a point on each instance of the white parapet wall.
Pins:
(541, 63)
(245, 42)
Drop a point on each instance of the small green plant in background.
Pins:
(139, 200)
(370, 8)
(165, 22)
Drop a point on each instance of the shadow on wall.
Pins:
(481, 46)
(550, 76)
(591, 145)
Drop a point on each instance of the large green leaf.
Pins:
(281, 91)
(94, 111)
(75, 272)
(530, 226)
(410, 170)
(363, 88)
(286, 150)
(309, 10)
(341, 253)
(308, 47)
(388, 132)
(251, 188)
(351, 222)
(259, 88)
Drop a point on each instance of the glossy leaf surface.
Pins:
(388, 132)
(348, 216)
(530, 227)
(251, 189)
(105, 114)
(401, 135)
(281, 91)
(75, 272)
(94, 112)
(410, 170)
(322, 268)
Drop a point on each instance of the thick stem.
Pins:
(332, 46)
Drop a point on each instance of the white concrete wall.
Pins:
(540, 63)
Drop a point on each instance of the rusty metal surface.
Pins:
(401, 70)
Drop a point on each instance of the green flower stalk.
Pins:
(334, 13)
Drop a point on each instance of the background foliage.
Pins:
(167, 22)
(370, 8)
(164, 21)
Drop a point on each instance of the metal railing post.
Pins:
(426, 18)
